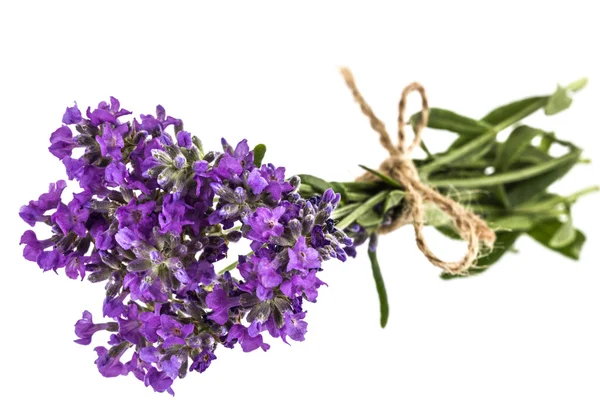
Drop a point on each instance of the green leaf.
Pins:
(392, 200)
(370, 218)
(564, 236)
(318, 184)
(434, 216)
(500, 193)
(259, 154)
(577, 85)
(558, 102)
(306, 190)
(459, 153)
(390, 181)
(384, 307)
(512, 222)
(450, 121)
(535, 155)
(513, 112)
(526, 189)
(545, 231)
(520, 175)
(363, 208)
(342, 211)
(518, 140)
(360, 186)
(504, 242)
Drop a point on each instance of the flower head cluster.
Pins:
(153, 215)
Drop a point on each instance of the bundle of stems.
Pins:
(504, 182)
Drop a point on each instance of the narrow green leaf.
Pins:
(518, 140)
(500, 193)
(390, 181)
(450, 121)
(513, 112)
(384, 307)
(342, 211)
(363, 208)
(534, 155)
(546, 143)
(507, 177)
(357, 197)
(526, 189)
(318, 184)
(558, 102)
(370, 218)
(470, 148)
(577, 85)
(394, 199)
(564, 236)
(504, 242)
(512, 222)
(259, 154)
(434, 216)
(360, 186)
(545, 231)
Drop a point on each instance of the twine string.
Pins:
(400, 166)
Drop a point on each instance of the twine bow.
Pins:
(400, 166)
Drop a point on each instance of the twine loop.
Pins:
(400, 166)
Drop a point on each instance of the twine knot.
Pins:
(400, 166)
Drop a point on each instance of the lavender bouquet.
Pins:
(154, 213)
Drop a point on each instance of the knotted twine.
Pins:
(400, 166)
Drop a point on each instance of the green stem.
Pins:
(506, 177)
(482, 140)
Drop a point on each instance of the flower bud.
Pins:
(295, 227)
(234, 236)
(307, 224)
(210, 156)
(295, 181)
(161, 156)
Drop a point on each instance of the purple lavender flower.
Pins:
(33, 246)
(72, 115)
(184, 139)
(72, 217)
(111, 141)
(235, 161)
(115, 174)
(256, 182)
(159, 381)
(248, 343)
(202, 361)
(173, 331)
(303, 257)
(155, 215)
(50, 260)
(295, 326)
(34, 211)
(275, 178)
(171, 366)
(108, 361)
(265, 223)
(62, 142)
(85, 328)
(220, 303)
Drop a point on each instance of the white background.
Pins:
(527, 329)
